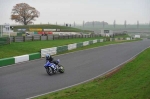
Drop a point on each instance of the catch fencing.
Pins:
(48, 37)
(8, 40)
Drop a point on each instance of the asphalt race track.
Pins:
(29, 79)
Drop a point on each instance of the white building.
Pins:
(137, 36)
(107, 33)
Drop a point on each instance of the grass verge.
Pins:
(50, 26)
(130, 82)
(21, 48)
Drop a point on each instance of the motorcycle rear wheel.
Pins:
(61, 69)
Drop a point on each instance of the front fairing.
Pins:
(48, 64)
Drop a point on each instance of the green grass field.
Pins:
(132, 81)
(21, 48)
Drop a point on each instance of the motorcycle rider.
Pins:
(51, 59)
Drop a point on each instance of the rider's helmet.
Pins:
(47, 56)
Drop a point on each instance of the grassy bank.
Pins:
(50, 26)
(130, 82)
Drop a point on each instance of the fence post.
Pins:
(24, 38)
(13, 38)
(47, 37)
(53, 37)
(40, 37)
(8, 40)
(32, 38)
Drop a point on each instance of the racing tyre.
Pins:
(61, 69)
(49, 70)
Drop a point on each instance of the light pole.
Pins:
(1, 30)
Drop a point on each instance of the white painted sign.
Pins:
(50, 30)
(137, 36)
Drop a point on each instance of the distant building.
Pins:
(107, 33)
(137, 36)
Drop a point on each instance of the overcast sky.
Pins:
(70, 11)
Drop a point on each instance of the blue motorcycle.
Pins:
(52, 68)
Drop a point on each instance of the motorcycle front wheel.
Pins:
(49, 70)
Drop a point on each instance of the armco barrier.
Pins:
(44, 51)
(85, 43)
(7, 61)
(17, 59)
(90, 42)
(51, 51)
(98, 40)
(34, 56)
(94, 41)
(62, 48)
(72, 46)
(79, 44)
(21, 58)
(101, 40)
(59, 49)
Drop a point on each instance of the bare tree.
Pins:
(24, 13)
